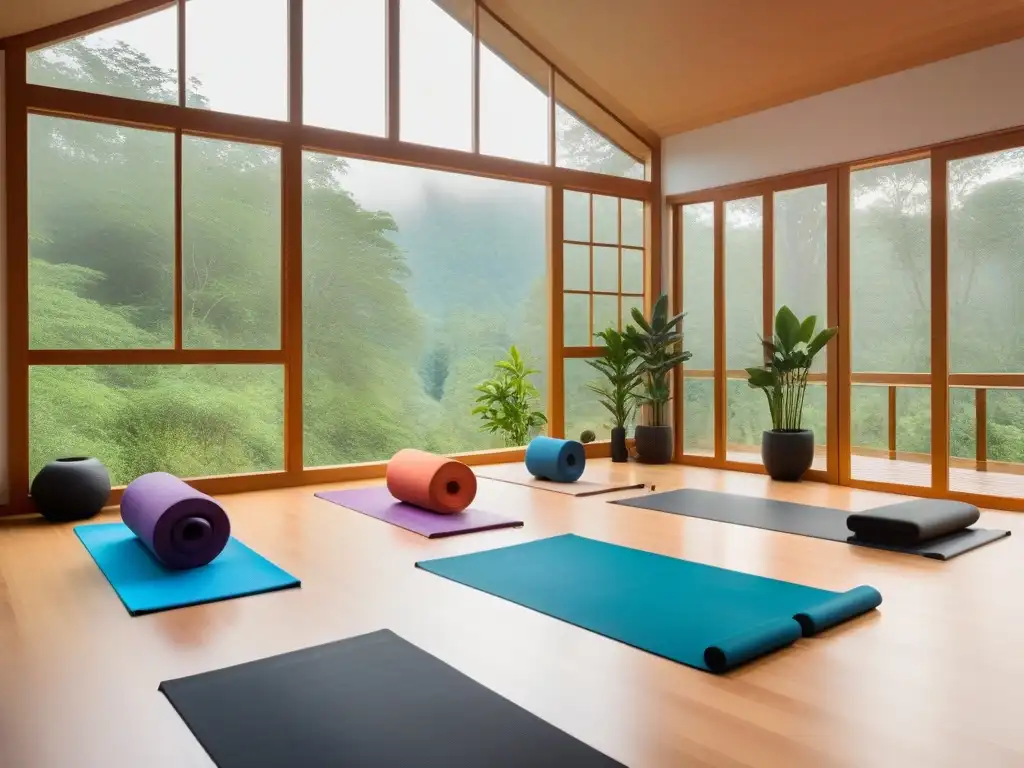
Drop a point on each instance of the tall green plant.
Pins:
(619, 365)
(788, 359)
(658, 343)
(508, 400)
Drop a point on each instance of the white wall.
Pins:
(963, 96)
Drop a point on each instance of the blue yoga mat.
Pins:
(709, 618)
(146, 586)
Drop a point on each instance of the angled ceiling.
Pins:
(675, 65)
(672, 65)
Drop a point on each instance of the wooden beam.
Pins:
(981, 429)
(892, 422)
(768, 264)
(556, 313)
(940, 327)
(203, 122)
(394, 86)
(182, 55)
(721, 383)
(834, 370)
(295, 62)
(291, 307)
(475, 97)
(152, 356)
(17, 317)
(675, 266)
(179, 211)
(885, 379)
(987, 380)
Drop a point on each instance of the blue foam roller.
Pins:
(562, 461)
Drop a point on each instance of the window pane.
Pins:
(606, 269)
(628, 303)
(801, 257)
(890, 273)
(577, 216)
(606, 315)
(748, 418)
(190, 420)
(415, 283)
(632, 271)
(606, 219)
(576, 275)
(577, 319)
(344, 86)
(587, 138)
(699, 284)
(986, 272)
(437, 77)
(582, 408)
(137, 59)
(101, 236)
(633, 222)
(815, 418)
(231, 245)
(513, 96)
(870, 420)
(237, 56)
(699, 416)
(743, 282)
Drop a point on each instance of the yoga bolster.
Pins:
(434, 483)
(912, 522)
(562, 461)
(181, 526)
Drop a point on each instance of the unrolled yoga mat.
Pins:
(379, 503)
(709, 618)
(804, 520)
(373, 701)
(146, 586)
(520, 475)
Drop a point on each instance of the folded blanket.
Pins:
(912, 522)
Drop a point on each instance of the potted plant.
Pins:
(659, 346)
(787, 449)
(508, 401)
(618, 364)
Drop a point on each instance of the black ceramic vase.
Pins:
(73, 488)
(787, 454)
(619, 451)
(653, 444)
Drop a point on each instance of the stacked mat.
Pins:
(932, 528)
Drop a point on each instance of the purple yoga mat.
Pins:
(379, 503)
(181, 526)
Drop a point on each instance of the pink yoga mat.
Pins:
(379, 503)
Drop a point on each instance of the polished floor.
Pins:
(935, 678)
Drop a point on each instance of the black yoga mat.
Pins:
(370, 701)
(817, 522)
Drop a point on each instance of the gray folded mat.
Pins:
(932, 528)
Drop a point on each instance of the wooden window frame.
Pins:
(839, 374)
(293, 138)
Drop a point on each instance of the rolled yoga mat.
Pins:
(561, 461)
(182, 527)
(434, 483)
(699, 615)
(373, 701)
(921, 517)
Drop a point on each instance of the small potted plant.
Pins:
(787, 449)
(508, 401)
(619, 365)
(659, 346)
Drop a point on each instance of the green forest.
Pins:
(406, 305)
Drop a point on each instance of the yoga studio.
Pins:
(511, 384)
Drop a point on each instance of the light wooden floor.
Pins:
(936, 678)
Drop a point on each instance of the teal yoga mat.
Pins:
(146, 586)
(709, 618)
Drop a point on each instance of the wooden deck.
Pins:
(880, 469)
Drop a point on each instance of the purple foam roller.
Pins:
(181, 526)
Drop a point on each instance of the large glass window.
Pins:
(416, 283)
(578, 144)
(101, 235)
